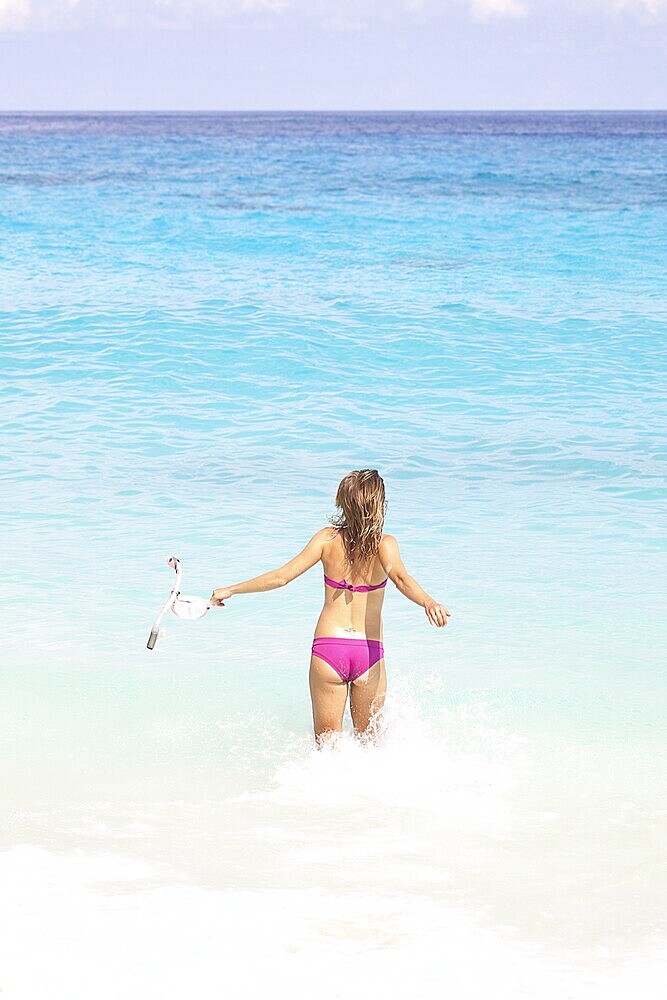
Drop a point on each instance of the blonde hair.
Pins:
(361, 503)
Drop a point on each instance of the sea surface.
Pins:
(205, 321)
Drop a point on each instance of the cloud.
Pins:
(484, 10)
(17, 15)
(219, 7)
(14, 14)
(652, 7)
(21, 15)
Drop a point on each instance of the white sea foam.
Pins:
(450, 806)
(76, 927)
(460, 766)
(392, 864)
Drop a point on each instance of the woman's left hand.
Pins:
(219, 596)
(436, 613)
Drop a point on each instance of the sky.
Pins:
(322, 54)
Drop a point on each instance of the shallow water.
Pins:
(206, 321)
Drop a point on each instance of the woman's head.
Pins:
(361, 503)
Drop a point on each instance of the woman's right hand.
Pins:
(219, 596)
(436, 613)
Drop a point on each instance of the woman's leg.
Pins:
(367, 696)
(329, 695)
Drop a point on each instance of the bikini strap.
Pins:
(344, 585)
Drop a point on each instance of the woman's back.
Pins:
(348, 609)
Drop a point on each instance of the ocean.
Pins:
(206, 320)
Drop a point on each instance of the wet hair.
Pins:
(361, 503)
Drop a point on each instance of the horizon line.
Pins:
(324, 111)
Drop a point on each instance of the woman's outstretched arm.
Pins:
(390, 557)
(311, 554)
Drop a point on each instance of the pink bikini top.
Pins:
(344, 585)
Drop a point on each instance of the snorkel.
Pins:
(187, 608)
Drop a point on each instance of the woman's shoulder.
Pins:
(388, 550)
(327, 534)
(318, 543)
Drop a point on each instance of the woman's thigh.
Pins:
(329, 696)
(367, 696)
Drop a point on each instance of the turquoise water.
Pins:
(206, 321)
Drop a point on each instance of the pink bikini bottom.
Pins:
(350, 658)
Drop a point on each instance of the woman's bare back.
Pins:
(346, 613)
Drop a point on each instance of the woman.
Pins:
(357, 559)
